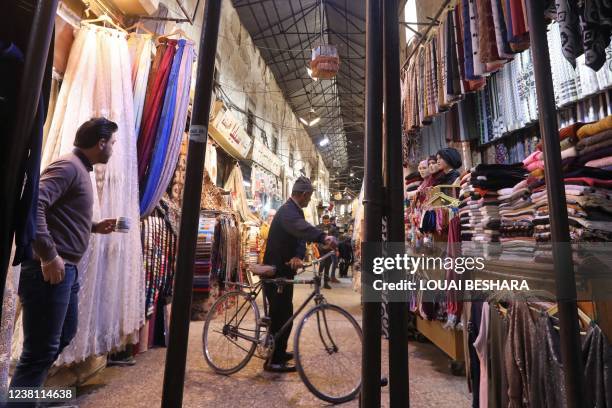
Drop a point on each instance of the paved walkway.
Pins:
(431, 384)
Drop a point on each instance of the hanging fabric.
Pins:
(235, 184)
(98, 83)
(170, 130)
(141, 47)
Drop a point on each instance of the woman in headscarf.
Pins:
(449, 160)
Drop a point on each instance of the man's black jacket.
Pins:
(288, 235)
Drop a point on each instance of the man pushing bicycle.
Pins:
(285, 250)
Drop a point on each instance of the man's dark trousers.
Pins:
(280, 306)
(50, 314)
(324, 267)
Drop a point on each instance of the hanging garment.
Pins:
(597, 357)
(481, 347)
(596, 25)
(141, 47)
(98, 83)
(158, 80)
(170, 130)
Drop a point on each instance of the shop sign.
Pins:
(229, 133)
(263, 156)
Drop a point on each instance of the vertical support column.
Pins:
(372, 230)
(394, 183)
(176, 355)
(562, 250)
(29, 94)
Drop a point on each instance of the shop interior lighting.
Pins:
(246, 183)
(352, 174)
(324, 142)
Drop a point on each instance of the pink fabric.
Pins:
(533, 157)
(538, 164)
(603, 162)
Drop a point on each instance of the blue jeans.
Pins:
(334, 259)
(49, 317)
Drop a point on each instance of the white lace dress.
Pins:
(98, 82)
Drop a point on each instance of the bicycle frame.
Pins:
(256, 289)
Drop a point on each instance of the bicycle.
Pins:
(327, 341)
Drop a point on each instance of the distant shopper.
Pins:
(335, 231)
(345, 250)
(286, 249)
(449, 160)
(48, 285)
(324, 267)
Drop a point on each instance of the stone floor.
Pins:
(431, 384)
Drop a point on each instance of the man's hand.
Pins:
(295, 263)
(105, 226)
(331, 242)
(53, 271)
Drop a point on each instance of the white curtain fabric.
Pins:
(98, 82)
(9, 309)
(141, 49)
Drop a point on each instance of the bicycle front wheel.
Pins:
(231, 332)
(327, 348)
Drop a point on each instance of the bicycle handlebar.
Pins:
(316, 261)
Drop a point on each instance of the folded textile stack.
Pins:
(594, 148)
(481, 218)
(588, 193)
(412, 183)
(517, 212)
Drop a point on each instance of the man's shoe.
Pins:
(288, 356)
(334, 280)
(279, 368)
(326, 286)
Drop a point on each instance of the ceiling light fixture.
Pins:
(324, 142)
(310, 74)
(352, 174)
(311, 123)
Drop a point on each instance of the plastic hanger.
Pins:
(178, 32)
(104, 18)
(139, 26)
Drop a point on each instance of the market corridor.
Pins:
(431, 384)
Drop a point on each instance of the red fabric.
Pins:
(154, 102)
(453, 249)
(593, 182)
(519, 26)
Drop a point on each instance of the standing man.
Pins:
(335, 232)
(286, 249)
(345, 249)
(48, 285)
(324, 267)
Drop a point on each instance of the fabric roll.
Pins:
(600, 163)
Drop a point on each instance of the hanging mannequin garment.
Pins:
(140, 46)
(98, 83)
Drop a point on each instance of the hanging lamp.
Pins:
(325, 62)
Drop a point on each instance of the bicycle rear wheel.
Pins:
(327, 348)
(231, 332)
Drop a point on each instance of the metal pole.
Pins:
(373, 196)
(27, 105)
(174, 374)
(562, 250)
(394, 183)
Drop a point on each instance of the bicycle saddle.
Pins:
(263, 271)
